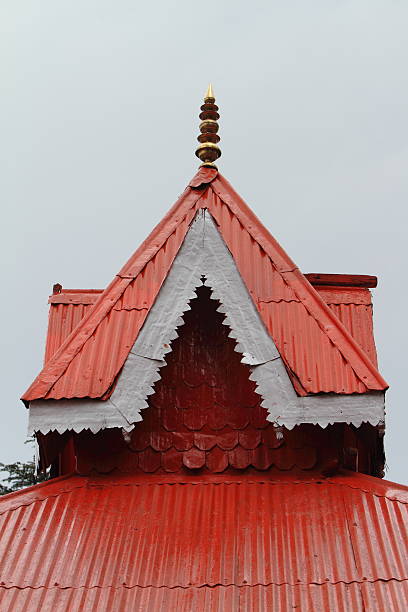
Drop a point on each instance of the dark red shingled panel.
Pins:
(205, 415)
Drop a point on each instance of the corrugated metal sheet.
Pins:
(352, 305)
(67, 309)
(369, 597)
(353, 308)
(317, 349)
(308, 335)
(333, 543)
(391, 596)
(358, 320)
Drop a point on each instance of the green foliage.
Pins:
(19, 475)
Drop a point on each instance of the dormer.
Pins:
(211, 351)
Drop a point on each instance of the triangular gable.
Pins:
(319, 353)
(204, 259)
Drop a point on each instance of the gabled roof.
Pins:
(318, 351)
(275, 542)
(203, 259)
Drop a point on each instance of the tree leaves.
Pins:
(18, 476)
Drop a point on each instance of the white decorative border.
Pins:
(204, 254)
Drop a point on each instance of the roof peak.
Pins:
(208, 150)
(209, 94)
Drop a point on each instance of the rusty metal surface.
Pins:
(212, 540)
(318, 351)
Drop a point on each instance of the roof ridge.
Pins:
(86, 481)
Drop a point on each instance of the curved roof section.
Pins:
(318, 351)
(295, 541)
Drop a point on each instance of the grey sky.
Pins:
(99, 113)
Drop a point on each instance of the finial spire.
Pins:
(208, 151)
(209, 95)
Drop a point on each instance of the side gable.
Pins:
(352, 305)
(67, 309)
(317, 350)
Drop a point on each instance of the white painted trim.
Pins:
(204, 254)
(74, 415)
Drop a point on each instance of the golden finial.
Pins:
(209, 94)
(208, 151)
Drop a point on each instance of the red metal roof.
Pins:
(391, 596)
(67, 309)
(318, 351)
(217, 542)
(352, 306)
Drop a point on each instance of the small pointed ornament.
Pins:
(208, 151)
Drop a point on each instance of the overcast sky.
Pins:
(99, 105)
